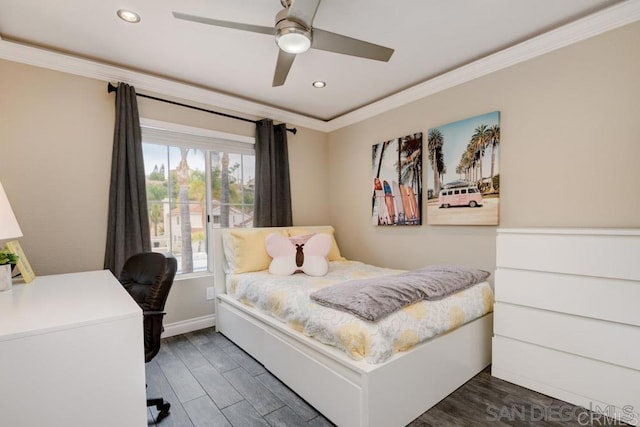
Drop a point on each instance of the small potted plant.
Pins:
(7, 261)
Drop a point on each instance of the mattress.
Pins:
(286, 298)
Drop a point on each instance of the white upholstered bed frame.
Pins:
(349, 392)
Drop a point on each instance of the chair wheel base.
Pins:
(162, 407)
(164, 412)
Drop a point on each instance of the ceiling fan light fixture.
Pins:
(293, 39)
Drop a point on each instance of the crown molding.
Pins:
(70, 64)
(608, 19)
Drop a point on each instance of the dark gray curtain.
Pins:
(273, 191)
(128, 230)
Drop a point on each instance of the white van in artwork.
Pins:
(460, 195)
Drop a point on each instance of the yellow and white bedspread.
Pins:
(287, 299)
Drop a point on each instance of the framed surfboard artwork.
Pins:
(396, 166)
(463, 172)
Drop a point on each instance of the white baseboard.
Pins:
(189, 325)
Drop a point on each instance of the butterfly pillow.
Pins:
(307, 254)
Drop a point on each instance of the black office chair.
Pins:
(148, 278)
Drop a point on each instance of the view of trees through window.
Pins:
(187, 188)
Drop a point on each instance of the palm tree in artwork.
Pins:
(411, 160)
(479, 142)
(472, 158)
(494, 141)
(435, 141)
(374, 155)
(467, 163)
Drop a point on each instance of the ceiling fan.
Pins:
(294, 33)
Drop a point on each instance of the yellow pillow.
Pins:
(334, 252)
(249, 249)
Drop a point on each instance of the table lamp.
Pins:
(9, 229)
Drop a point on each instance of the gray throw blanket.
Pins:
(374, 298)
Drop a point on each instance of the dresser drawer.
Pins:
(575, 379)
(615, 300)
(608, 342)
(600, 253)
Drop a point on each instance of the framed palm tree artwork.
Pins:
(463, 176)
(396, 167)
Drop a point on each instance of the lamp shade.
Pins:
(9, 228)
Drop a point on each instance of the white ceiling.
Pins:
(430, 37)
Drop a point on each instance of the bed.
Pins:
(351, 392)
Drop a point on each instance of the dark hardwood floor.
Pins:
(209, 381)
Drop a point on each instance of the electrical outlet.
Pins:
(210, 293)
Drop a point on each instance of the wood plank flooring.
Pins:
(209, 381)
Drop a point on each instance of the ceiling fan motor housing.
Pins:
(292, 36)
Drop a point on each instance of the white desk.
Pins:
(71, 353)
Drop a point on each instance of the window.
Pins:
(195, 177)
(232, 204)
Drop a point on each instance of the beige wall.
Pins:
(56, 133)
(570, 146)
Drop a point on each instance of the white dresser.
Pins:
(567, 316)
(71, 353)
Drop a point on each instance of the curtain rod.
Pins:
(112, 88)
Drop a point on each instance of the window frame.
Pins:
(209, 140)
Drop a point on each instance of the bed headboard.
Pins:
(219, 259)
(218, 262)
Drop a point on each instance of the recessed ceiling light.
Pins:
(128, 16)
(318, 84)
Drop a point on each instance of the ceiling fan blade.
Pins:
(226, 24)
(303, 11)
(285, 60)
(332, 42)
